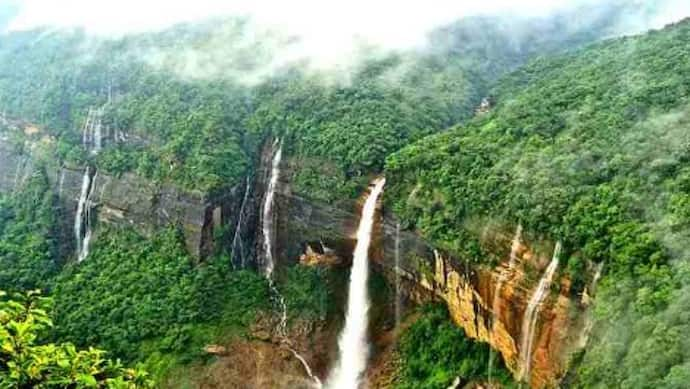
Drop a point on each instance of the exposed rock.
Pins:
(312, 257)
(216, 349)
(262, 335)
(469, 293)
(127, 200)
(250, 365)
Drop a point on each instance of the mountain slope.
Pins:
(591, 149)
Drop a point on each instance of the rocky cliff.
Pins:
(126, 200)
(488, 303)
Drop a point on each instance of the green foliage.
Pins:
(28, 251)
(308, 292)
(132, 290)
(435, 351)
(590, 148)
(193, 130)
(26, 363)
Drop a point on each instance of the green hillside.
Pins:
(591, 149)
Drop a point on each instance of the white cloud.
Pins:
(331, 32)
(385, 22)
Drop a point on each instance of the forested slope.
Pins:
(591, 149)
(191, 104)
(146, 299)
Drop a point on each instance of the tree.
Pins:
(26, 364)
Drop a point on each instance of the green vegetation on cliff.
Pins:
(190, 132)
(590, 148)
(199, 124)
(434, 352)
(144, 298)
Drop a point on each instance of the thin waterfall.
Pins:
(268, 235)
(514, 247)
(353, 344)
(398, 300)
(307, 368)
(85, 134)
(88, 228)
(529, 320)
(82, 220)
(597, 276)
(98, 133)
(237, 238)
(267, 223)
(61, 181)
(92, 132)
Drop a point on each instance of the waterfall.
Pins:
(61, 181)
(98, 132)
(237, 238)
(398, 302)
(92, 132)
(529, 320)
(307, 368)
(268, 235)
(512, 258)
(82, 221)
(353, 345)
(267, 223)
(85, 134)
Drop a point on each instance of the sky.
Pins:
(376, 19)
(389, 23)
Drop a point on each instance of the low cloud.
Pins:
(318, 35)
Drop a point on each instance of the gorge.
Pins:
(222, 232)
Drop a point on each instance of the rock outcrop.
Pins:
(490, 303)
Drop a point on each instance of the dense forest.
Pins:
(581, 139)
(590, 149)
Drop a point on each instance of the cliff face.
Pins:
(130, 200)
(127, 200)
(488, 303)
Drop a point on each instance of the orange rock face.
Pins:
(489, 304)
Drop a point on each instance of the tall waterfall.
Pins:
(268, 235)
(353, 345)
(82, 220)
(398, 300)
(514, 247)
(267, 216)
(529, 320)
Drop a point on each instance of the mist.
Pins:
(318, 36)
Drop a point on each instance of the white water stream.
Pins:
(353, 344)
(267, 215)
(82, 220)
(515, 245)
(269, 265)
(237, 239)
(529, 320)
